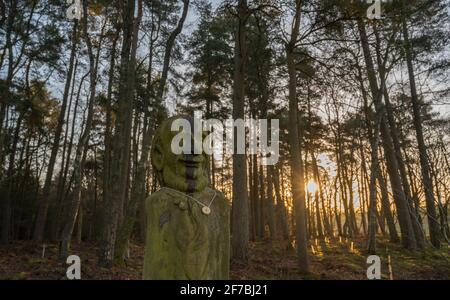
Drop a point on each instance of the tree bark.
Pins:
(417, 120)
(374, 171)
(386, 207)
(80, 156)
(297, 171)
(408, 238)
(418, 231)
(281, 208)
(43, 208)
(271, 207)
(138, 189)
(120, 143)
(239, 218)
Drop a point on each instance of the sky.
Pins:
(192, 19)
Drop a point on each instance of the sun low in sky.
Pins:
(311, 187)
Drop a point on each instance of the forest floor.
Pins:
(329, 259)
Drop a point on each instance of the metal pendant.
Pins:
(206, 210)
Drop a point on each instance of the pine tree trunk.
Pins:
(318, 218)
(418, 231)
(251, 199)
(262, 202)
(80, 156)
(362, 189)
(239, 218)
(386, 207)
(417, 120)
(406, 227)
(374, 171)
(7, 209)
(121, 142)
(80, 224)
(108, 133)
(64, 198)
(256, 198)
(271, 207)
(64, 162)
(138, 189)
(337, 212)
(297, 171)
(322, 198)
(281, 208)
(43, 207)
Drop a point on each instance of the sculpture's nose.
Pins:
(196, 146)
(194, 156)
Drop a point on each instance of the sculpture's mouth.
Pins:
(192, 164)
(189, 163)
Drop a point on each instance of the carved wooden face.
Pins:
(183, 172)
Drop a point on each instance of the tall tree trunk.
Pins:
(138, 187)
(400, 200)
(418, 231)
(262, 202)
(271, 207)
(7, 209)
(80, 156)
(120, 143)
(6, 85)
(297, 171)
(239, 218)
(362, 188)
(346, 228)
(337, 212)
(386, 207)
(318, 218)
(253, 194)
(374, 171)
(281, 208)
(108, 125)
(321, 195)
(351, 207)
(80, 224)
(417, 120)
(251, 199)
(64, 193)
(138, 190)
(64, 161)
(43, 208)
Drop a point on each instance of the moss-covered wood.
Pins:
(182, 242)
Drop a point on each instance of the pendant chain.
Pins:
(189, 196)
